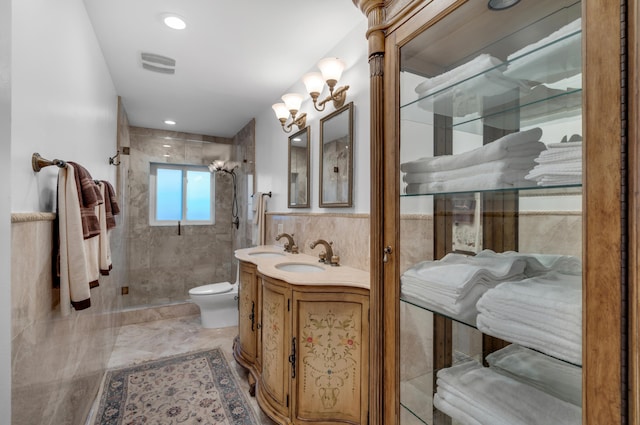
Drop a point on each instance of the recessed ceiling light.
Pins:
(169, 122)
(502, 4)
(175, 22)
(166, 146)
(166, 155)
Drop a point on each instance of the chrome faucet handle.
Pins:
(322, 257)
(294, 249)
(335, 261)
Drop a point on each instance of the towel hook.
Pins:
(112, 159)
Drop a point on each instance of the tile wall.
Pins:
(348, 232)
(57, 362)
(164, 261)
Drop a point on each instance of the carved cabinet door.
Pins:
(247, 306)
(276, 345)
(331, 378)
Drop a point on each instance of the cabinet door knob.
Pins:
(387, 250)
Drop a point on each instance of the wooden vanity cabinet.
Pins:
(330, 333)
(314, 353)
(246, 346)
(313, 344)
(274, 382)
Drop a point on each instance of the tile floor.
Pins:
(146, 341)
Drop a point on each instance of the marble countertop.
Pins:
(267, 264)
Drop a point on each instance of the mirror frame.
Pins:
(348, 108)
(307, 131)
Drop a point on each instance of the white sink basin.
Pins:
(266, 254)
(299, 267)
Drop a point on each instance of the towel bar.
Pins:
(38, 162)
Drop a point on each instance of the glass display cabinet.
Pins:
(490, 217)
(498, 213)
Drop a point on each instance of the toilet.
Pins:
(218, 304)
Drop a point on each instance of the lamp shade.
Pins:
(293, 101)
(281, 111)
(331, 68)
(314, 82)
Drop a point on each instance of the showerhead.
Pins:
(225, 166)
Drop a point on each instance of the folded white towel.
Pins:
(550, 59)
(542, 312)
(520, 144)
(538, 264)
(561, 347)
(507, 180)
(559, 180)
(565, 145)
(491, 167)
(545, 373)
(457, 271)
(459, 414)
(462, 309)
(495, 399)
(559, 156)
(477, 65)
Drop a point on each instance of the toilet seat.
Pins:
(211, 289)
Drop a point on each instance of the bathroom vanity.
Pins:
(304, 336)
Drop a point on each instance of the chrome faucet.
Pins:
(326, 257)
(290, 245)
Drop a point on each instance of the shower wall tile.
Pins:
(164, 262)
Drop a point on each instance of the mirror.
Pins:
(299, 169)
(336, 158)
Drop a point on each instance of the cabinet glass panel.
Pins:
(491, 216)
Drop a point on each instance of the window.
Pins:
(182, 193)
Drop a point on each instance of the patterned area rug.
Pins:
(194, 388)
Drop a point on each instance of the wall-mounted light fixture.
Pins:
(330, 72)
(290, 108)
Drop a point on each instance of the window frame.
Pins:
(153, 200)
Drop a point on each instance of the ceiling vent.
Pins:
(158, 63)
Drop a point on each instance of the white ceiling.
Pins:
(234, 59)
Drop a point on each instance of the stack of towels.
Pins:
(497, 165)
(551, 58)
(476, 395)
(560, 164)
(541, 312)
(555, 377)
(463, 89)
(454, 284)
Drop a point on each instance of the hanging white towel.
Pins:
(259, 219)
(74, 274)
(104, 248)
